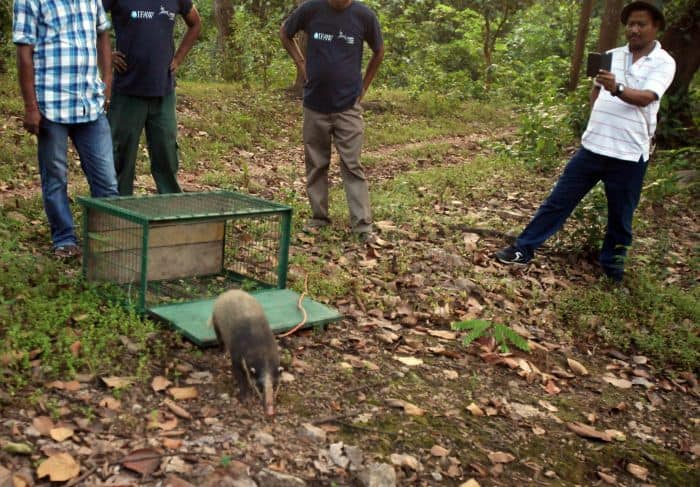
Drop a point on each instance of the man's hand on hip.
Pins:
(119, 61)
(607, 79)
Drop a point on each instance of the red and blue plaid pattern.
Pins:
(64, 35)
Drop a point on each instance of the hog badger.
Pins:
(241, 325)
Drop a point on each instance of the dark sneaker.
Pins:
(512, 255)
(67, 251)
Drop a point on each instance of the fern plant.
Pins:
(503, 334)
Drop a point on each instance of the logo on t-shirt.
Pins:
(142, 14)
(320, 36)
(163, 11)
(149, 14)
(347, 39)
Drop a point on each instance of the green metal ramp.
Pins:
(280, 305)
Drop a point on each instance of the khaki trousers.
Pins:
(346, 129)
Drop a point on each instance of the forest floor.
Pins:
(607, 394)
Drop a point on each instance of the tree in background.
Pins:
(223, 11)
(682, 40)
(610, 25)
(580, 45)
(499, 17)
(5, 31)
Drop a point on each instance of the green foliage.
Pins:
(501, 333)
(45, 310)
(251, 48)
(649, 317)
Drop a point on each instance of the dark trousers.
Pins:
(623, 186)
(128, 116)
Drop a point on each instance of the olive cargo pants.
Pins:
(346, 129)
(128, 115)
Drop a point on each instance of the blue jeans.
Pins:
(93, 142)
(623, 187)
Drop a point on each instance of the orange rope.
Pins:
(301, 308)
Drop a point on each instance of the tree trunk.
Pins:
(223, 11)
(681, 40)
(610, 25)
(580, 44)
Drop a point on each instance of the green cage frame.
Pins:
(218, 207)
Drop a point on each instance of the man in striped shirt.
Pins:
(60, 45)
(615, 146)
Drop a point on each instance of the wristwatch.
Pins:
(619, 89)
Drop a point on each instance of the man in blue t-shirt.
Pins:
(145, 62)
(336, 31)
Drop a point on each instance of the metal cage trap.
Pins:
(172, 255)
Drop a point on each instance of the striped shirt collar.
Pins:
(64, 35)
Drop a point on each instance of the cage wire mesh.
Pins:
(185, 247)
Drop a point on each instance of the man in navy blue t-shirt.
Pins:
(145, 63)
(336, 31)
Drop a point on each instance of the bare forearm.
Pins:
(640, 98)
(291, 47)
(25, 70)
(372, 68)
(104, 57)
(594, 95)
(188, 41)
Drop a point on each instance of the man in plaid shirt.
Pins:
(60, 44)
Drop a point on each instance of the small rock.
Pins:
(355, 455)
(437, 476)
(312, 432)
(403, 460)
(270, 478)
(32, 432)
(378, 475)
(638, 471)
(335, 452)
(439, 451)
(265, 439)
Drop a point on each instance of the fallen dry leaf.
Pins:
(444, 334)
(183, 393)
(500, 457)
(410, 409)
(616, 435)
(59, 468)
(43, 424)
(620, 383)
(475, 410)
(172, 443)
(75, 348)
(588, 431)
(607, 478)
(176, 409)
(638, 471)
(61, 434)
(409, 361)
(163, 420)
(160, 383)
(118, 382)
(144, 461)
(470, 483)
(439, 451)
(577, 367)
(111, 403)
